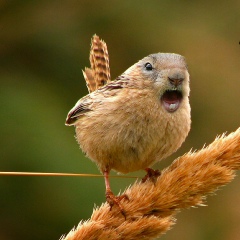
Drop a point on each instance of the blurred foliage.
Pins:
(43, 47)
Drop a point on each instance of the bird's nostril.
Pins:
(175, 81)
(176, 78)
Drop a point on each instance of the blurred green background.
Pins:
(43, 47)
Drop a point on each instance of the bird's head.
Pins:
(166, 74)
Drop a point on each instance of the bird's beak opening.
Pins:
(171, 100)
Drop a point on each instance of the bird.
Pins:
(138, 119)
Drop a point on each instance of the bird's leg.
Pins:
(151, 174)
(111, 198)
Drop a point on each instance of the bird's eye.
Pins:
(148, 66)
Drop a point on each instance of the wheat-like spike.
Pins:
(151, 208)
(99, 73)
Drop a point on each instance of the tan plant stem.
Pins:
(151, 208)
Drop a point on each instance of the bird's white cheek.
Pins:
(161, 85)
(186, 89)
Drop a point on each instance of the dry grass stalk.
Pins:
(151, 209)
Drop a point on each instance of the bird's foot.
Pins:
(115, 200)
(151, 175)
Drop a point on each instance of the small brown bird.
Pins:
(138, 119)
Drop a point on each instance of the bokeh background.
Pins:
(43, 47)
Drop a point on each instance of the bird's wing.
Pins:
(91, 101)
(82, 106)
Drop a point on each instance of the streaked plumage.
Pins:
(99, 73)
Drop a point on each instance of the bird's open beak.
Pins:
(171, 99)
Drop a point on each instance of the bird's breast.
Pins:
(132, 134)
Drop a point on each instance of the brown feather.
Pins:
(99, 73)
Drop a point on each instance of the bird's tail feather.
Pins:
(99, 73)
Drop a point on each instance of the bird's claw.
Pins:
(151, 175)
(115, 200)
